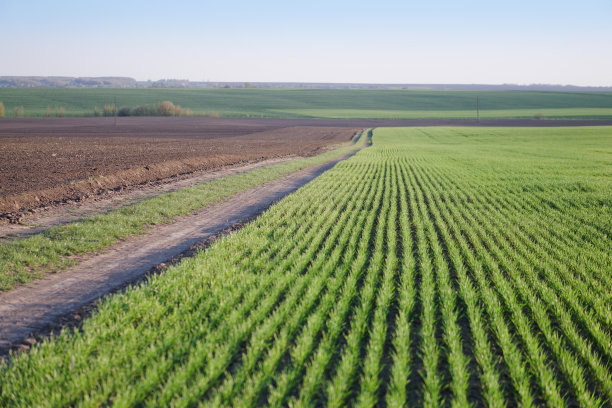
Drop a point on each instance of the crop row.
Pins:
(440, 266)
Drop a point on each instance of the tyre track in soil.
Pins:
(31, 310)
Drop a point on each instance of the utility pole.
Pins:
(477, 111)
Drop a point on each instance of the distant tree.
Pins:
(249, 85)
(166, 108)
(60, 111)
(123, 111)
(1, 110)
(96, 111)
(18, 111)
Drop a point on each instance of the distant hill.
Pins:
(126, 82)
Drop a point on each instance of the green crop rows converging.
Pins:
(441, 266)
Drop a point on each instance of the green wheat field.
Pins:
(439, 266)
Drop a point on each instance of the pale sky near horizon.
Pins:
(427, 41)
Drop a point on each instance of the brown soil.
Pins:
(48, 161)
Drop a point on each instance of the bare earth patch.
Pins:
(44, 162)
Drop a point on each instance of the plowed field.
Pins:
(46, 161)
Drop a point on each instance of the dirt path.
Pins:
(64, 213)
(32, 308)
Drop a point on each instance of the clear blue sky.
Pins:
(425, 41)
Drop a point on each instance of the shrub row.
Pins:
(165, 108)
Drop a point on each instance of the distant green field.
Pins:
(320, 103)
(533, 113)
